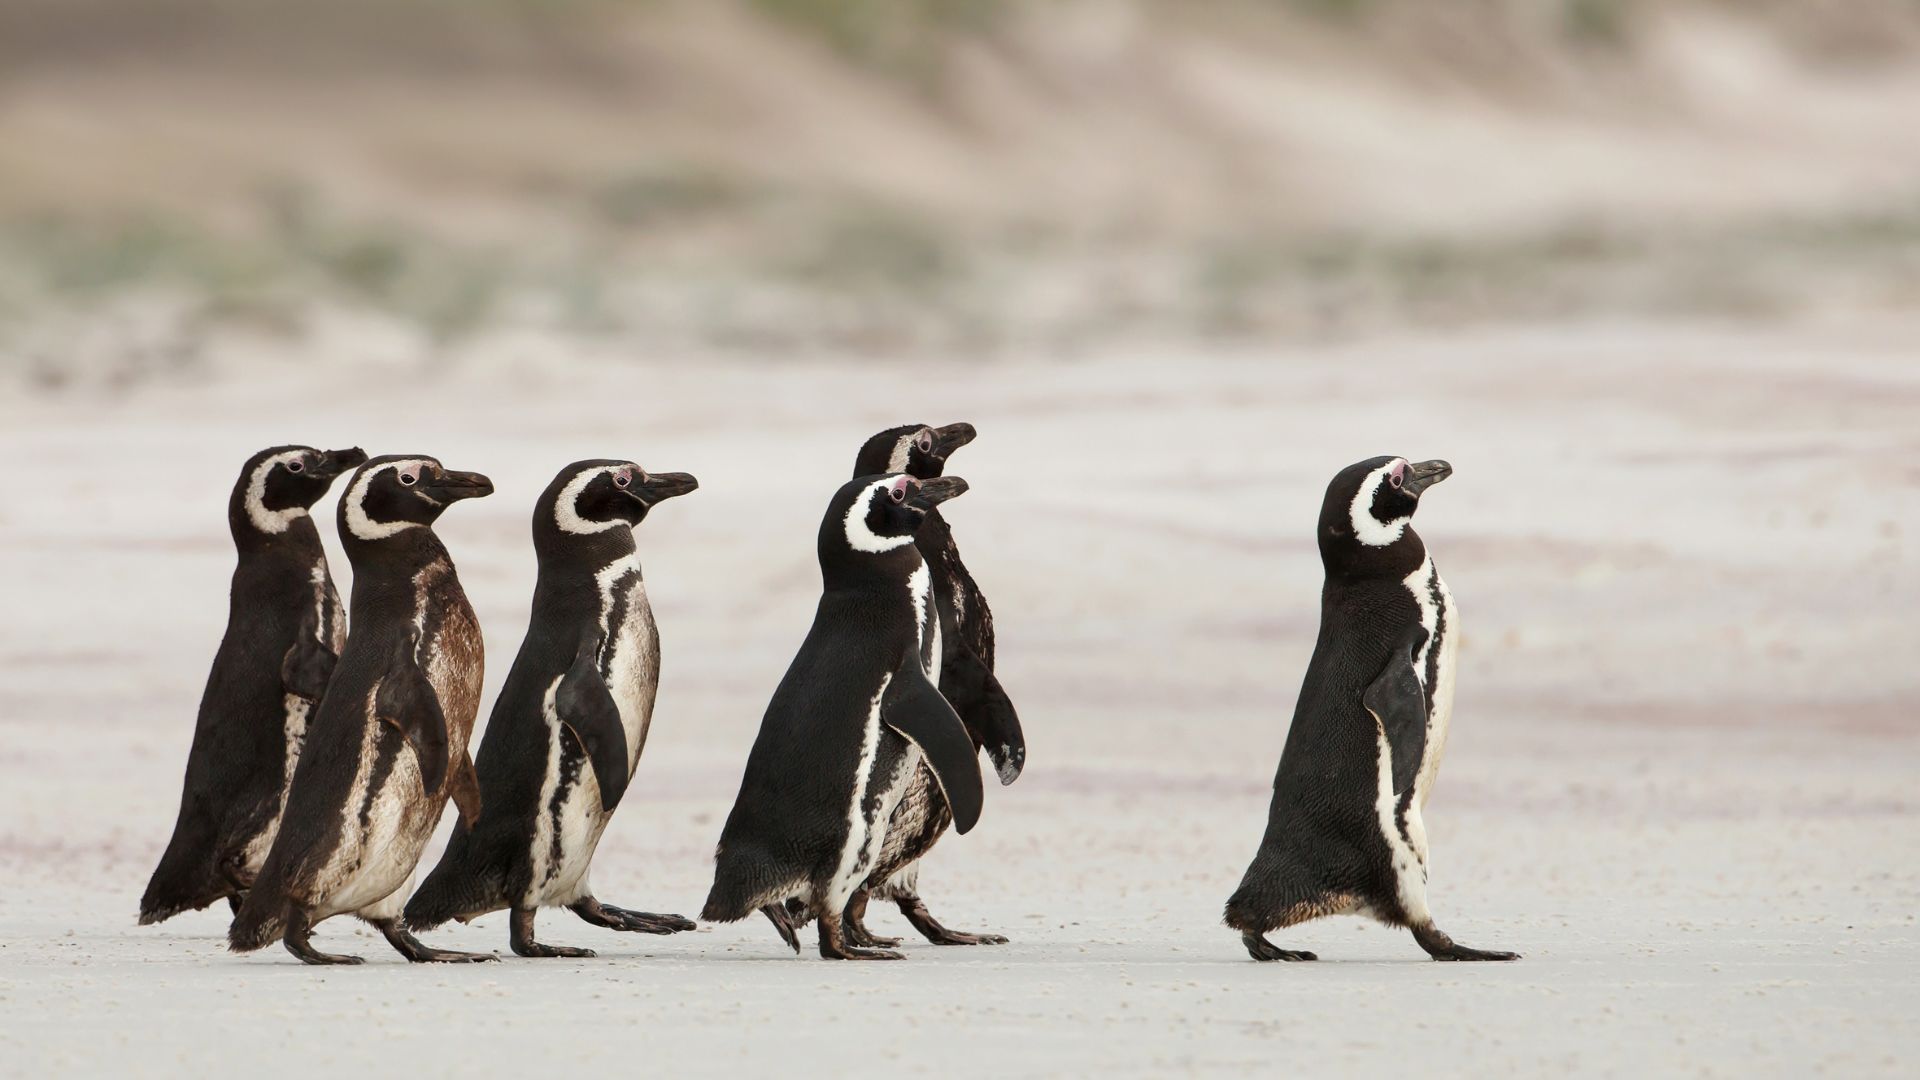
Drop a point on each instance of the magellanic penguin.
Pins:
(389, 742)
(1344, 832)
(285, 628)
(962, 666)
(848, 726)
(569, 725)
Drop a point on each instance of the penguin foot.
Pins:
(1441, 947)
(833, 944)
(520, 939)
(860, 937)
(619, 918)
(418, 952)
(777, 915)
(1261, 949)
(852, 952)
(915, 910)
(296, 939)
(854, 924)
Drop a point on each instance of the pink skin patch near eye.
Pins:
(1399, 473)
(900, 486)
(623, 478)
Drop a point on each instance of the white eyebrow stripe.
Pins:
(358, 523)
(566, 512)
(271, 522)
(1368, 529)
(862, 538)
(902, 450)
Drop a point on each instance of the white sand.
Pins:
(1681, 779)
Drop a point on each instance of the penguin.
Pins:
(1344, 831)
(388, 746)
(848, 726)
(962, 667)
(285, 628)
(567, 730)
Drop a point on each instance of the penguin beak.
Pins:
(659, 486)
(452, 486)
(1424, 475)
(932, 493)
(334, 462)
(950, 438)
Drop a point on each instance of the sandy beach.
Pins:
(1680, 780)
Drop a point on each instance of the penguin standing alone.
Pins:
(284, 633)
(566, 733)
(848, 726)
(1344, 831)
(962, 666)
(389, 743)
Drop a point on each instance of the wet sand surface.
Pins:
(1680, 780)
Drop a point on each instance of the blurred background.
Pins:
(1647, 272)
(187, 185)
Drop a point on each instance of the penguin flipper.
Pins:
(990, 717)
(406, 700)
(915, 709)
(308, 665)
(587, 707)
(1398, 703)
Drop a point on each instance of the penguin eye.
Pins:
(924, 442)
(622, 479)
(407, 479)
(1394, 479)
(296, 465)
(898, 494)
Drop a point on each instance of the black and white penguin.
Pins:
(848, 726)
(285, 628)
(388, 745)
(567, 730)
(1344, 832)
(962, 666)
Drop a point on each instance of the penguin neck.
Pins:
(300, 538)
(888, 574)
(575, 585)
(1345, 558)
(394, 559)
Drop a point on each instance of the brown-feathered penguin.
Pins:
(388, 745)
(285, 628)
(848, 726)
(1344, 831)
(566, 733)
(961, 664)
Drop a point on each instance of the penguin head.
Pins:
(279, 485)
(397, 493)
(601, 498)
(915, 449)
(1365, 521)
(872, 519)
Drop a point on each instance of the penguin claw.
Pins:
(646, 922)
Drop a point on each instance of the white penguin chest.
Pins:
(1436, 665)
(567, 830)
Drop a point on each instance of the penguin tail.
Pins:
(742, 885)
(454, 891)
(261, 920)
(1274, 894)
(187, 878)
